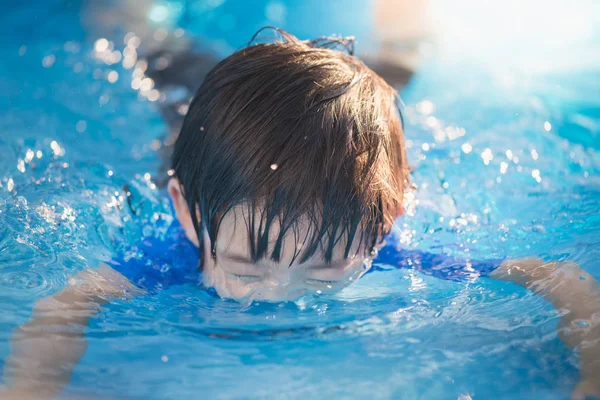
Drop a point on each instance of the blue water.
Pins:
(503, 129)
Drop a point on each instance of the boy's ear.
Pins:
(182, 210)
(400, 211)
(177, 197)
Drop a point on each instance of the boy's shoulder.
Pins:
(159, 260)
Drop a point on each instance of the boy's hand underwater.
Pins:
(576, 296)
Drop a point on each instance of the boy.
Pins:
(288, 173)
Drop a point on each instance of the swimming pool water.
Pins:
(504, 138)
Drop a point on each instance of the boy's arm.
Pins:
(576, 296)
(45, 350)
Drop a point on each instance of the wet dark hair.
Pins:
(295, 131)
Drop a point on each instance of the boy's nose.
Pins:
(278, 277)
(280, 285)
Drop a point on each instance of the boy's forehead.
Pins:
(234, 235)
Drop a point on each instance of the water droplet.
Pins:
(136, 83)
(113, 76)
(425, 107)
(158, 13)
(146, 85)
(129, 61)
(487, 155)
(164, 359)
(113, 57)
(81, 126)
(56, 148)
(276, 12)
(183, 109)
(101, 45)
(140, 67)
(29, 155)
(153, 95)
(432, 122)
(534, 154)
(48, 61)
(155, 144)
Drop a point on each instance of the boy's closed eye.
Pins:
(321, 275)
(244, 271)
(246, 278)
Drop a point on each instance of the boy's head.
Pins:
(292, 157)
